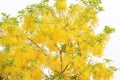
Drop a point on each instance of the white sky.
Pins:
(111, 17)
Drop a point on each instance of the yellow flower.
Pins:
(61, 5)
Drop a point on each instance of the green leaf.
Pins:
(63, 47)
(113, 68)
(45, 0)
(108, 30)
(7, 48)
(107, 60)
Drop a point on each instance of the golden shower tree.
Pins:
(59, 37)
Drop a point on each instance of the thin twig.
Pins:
(35, 44)
(65, 68)
(61, 60)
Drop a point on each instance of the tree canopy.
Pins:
(60, 37)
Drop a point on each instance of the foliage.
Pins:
(58, 37)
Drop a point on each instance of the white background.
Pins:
(111, 17)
